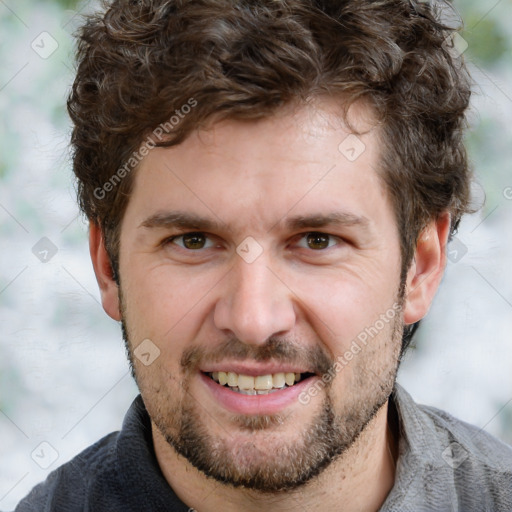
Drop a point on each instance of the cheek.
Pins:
(369, 361)
(341, 308)
(162, 305)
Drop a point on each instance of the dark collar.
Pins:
(144, 485)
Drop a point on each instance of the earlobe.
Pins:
(427, 269)
(103, 271)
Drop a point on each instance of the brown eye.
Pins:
(193, 241)
(318, 241)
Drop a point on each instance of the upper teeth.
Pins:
(261, 382)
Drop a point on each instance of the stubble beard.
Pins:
(266, 462)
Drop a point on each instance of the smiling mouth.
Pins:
(257, 385)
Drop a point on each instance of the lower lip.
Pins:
(256, 404)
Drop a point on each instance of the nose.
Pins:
(254, 303)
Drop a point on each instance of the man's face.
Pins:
(258, 248)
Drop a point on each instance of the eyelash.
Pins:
(300, 237)
(176, 237)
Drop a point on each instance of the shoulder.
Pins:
(68, 483)
(448, 464)
(118, 473)
(479, 465)
(468, 442)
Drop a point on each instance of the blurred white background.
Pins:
(63, 373)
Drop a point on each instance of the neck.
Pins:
(361, 478)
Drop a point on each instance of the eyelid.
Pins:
(210, 239)
(302, 236)
(207, 236)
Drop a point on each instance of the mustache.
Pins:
(274, 349)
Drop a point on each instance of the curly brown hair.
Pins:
(140, 62)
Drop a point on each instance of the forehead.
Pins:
(301, 161)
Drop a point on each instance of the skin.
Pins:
(251, 178)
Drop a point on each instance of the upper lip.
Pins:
(254, 369)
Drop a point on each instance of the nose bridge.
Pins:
(254, 304)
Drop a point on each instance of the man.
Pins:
(271, 187)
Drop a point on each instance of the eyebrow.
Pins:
(186, 220)
(323, 220)
(181, 220)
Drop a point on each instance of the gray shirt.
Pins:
(443, 465)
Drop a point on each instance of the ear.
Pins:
(103, 271)
(427, 268)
